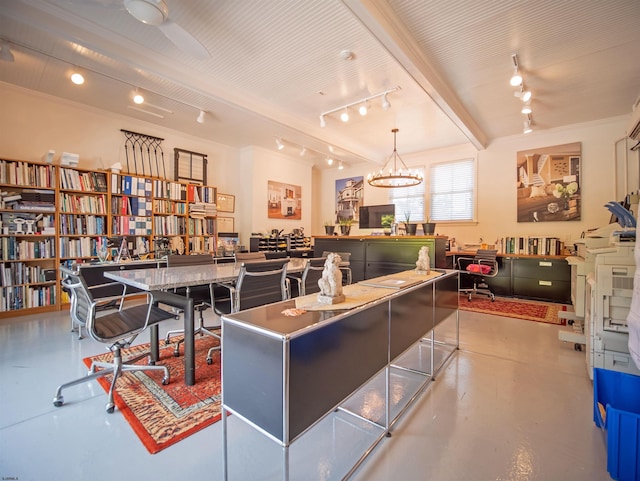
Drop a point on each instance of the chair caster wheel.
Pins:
(59, 401)
(151, 363)
(176, 353)
(577, 347)
(165, 381)
(110, 408)
(493, 298)
(209, 361)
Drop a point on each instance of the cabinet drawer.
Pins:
(546, 269)
(545, 289)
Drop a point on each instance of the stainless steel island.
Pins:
(283, 373)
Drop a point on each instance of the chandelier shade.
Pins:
(395, 172)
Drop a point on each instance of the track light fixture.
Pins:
(200, 118)
(528, 125)
(340, 166)
(330, 161)
(363, 106)
(523, 94)
(526, 108)
(516, 78)
(77, 78)
(5, 52)
(303, 151)
(138, 98)
(279, 144)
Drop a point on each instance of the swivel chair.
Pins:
(259, 283)
(202, 297)
(307, 282)
(480, 267)
(118, 329)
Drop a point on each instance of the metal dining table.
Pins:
(162, 280)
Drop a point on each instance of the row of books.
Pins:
(131, 185)
(129, 225)
(23, 173)
(15, 250)
(85, 181)
(28, 223)
(86, 204)
(202, 226)
(82, 225)
(169, 207)
(202, 209)
(164, 189)
(525, 245)
(17, 273)
(170, 225)
(20, 297)
(128, 205)
(202, 244)
(80, 247)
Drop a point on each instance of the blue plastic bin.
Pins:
(619, 393)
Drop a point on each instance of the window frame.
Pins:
(474, 194)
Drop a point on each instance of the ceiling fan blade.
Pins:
(183, 40)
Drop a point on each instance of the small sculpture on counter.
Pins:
(331, 282)
(423, 265)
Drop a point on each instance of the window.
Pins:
(409, 200)
(453, 191)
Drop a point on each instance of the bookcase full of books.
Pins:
(57, 215)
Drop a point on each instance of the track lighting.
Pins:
(279, 144)
(527, 127)
(303, 151)
(138, 98)
(330, 161)
(526, 108)
(200, 118)
(5, 52)
(77, 78)
(386, 105)
(516, 78)
(363, 106)
(340, 166)
(522, 94)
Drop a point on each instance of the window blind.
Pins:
(452, 191)
(409, 200)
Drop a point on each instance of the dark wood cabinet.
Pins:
(374, 256)
(529, 277)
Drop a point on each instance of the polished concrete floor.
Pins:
(513, 404)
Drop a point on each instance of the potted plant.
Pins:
(345, 225)
(428, 227)
(386, 221)
(329, 227)
(410, 228)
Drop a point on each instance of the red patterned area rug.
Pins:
(163, 415)
(520, 309)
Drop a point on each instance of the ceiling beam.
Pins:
(380, 19)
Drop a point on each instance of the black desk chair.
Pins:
(307, 282)
(202, 297)
(480, 267)
(118, 329)
(259, 283)
(345, 265)
(249, 256)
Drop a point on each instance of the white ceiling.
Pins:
(276, 65)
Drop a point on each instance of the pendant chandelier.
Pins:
(390, 176)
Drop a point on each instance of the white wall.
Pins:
(33, 123)
(497, 187)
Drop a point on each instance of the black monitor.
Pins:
(372, 216)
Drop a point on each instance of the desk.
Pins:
(166, 278)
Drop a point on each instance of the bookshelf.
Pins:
(52, 215)
(82, 214)
(28, 257)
